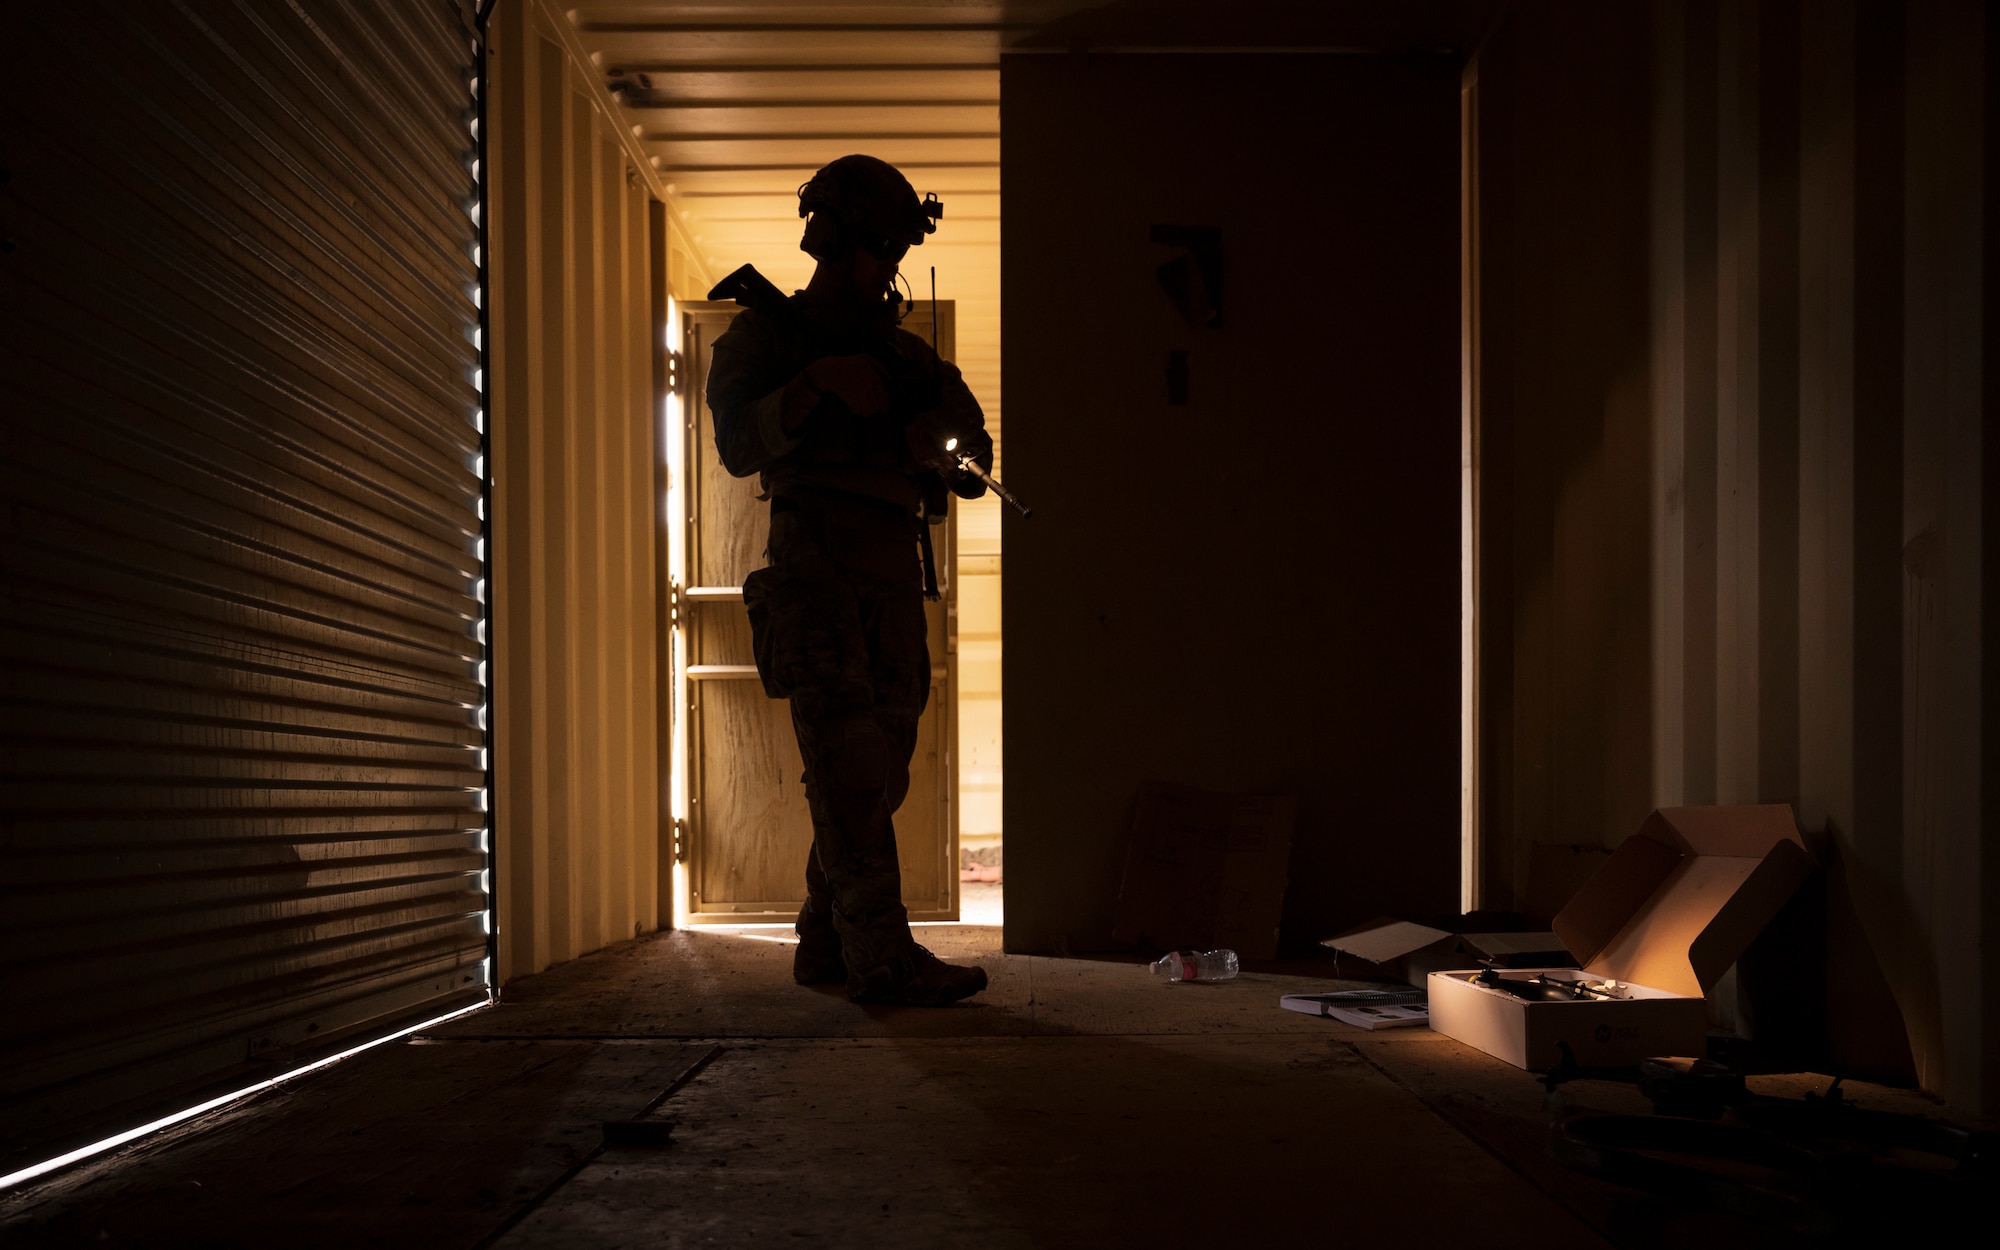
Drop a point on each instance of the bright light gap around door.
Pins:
(673, 440)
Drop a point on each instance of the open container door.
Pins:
(748, 828)
(243, 800)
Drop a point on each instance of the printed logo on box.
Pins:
(1623, 1033)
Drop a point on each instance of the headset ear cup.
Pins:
(822, 236)
(822, 197)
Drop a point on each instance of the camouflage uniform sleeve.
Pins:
(966, 413)
(746, 394)
(960, 411)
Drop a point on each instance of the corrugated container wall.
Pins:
(1739, 322)
(240, 512)
(576, 408)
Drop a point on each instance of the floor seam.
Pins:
(1461, 1130)
(1033, 1021)
(722, 1039)
(592, 1155)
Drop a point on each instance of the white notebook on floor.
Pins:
(1366, 1009)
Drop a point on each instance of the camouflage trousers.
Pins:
(839, 629)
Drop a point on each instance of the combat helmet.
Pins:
(860, 201)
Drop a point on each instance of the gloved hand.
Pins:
(860, 382)
(929, 433)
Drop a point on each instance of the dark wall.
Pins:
(1560, 110)
(1257, 591)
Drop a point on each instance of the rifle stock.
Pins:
(753, 291)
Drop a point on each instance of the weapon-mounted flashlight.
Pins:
(972, 466)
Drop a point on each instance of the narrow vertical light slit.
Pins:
(482, 468)
(1468, 497)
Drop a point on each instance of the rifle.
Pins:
(909, 389)
(993, 483)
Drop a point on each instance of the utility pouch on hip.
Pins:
(758, 590)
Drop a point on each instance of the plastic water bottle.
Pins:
(1196, 966)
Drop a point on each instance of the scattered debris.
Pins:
(1219, 965)
(1818, 1166)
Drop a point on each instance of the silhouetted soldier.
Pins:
(846, 419)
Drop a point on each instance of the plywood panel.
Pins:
(926, 842)
(730, 527)
(752, 827)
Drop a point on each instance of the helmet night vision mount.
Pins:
(864, 202)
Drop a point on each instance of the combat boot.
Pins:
(817, 960)
(913, 977)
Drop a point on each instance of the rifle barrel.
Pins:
(993, 483)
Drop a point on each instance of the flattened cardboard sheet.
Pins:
(1206, 870)
(1405, 950)
(1385, 941)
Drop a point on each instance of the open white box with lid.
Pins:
(1665, 917)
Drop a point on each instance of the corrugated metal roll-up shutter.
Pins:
(241, 505)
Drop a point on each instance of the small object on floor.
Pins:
(1196, 965)
(1367, 1009)
(639, 1134)
(980, 872)
(915, 978)
(1697, 1089)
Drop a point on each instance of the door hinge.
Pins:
(680, 841)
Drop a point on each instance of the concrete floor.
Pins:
(1076, 1103)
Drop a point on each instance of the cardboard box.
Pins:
(1665, 917)
(1401, 950)
(1205, 870)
